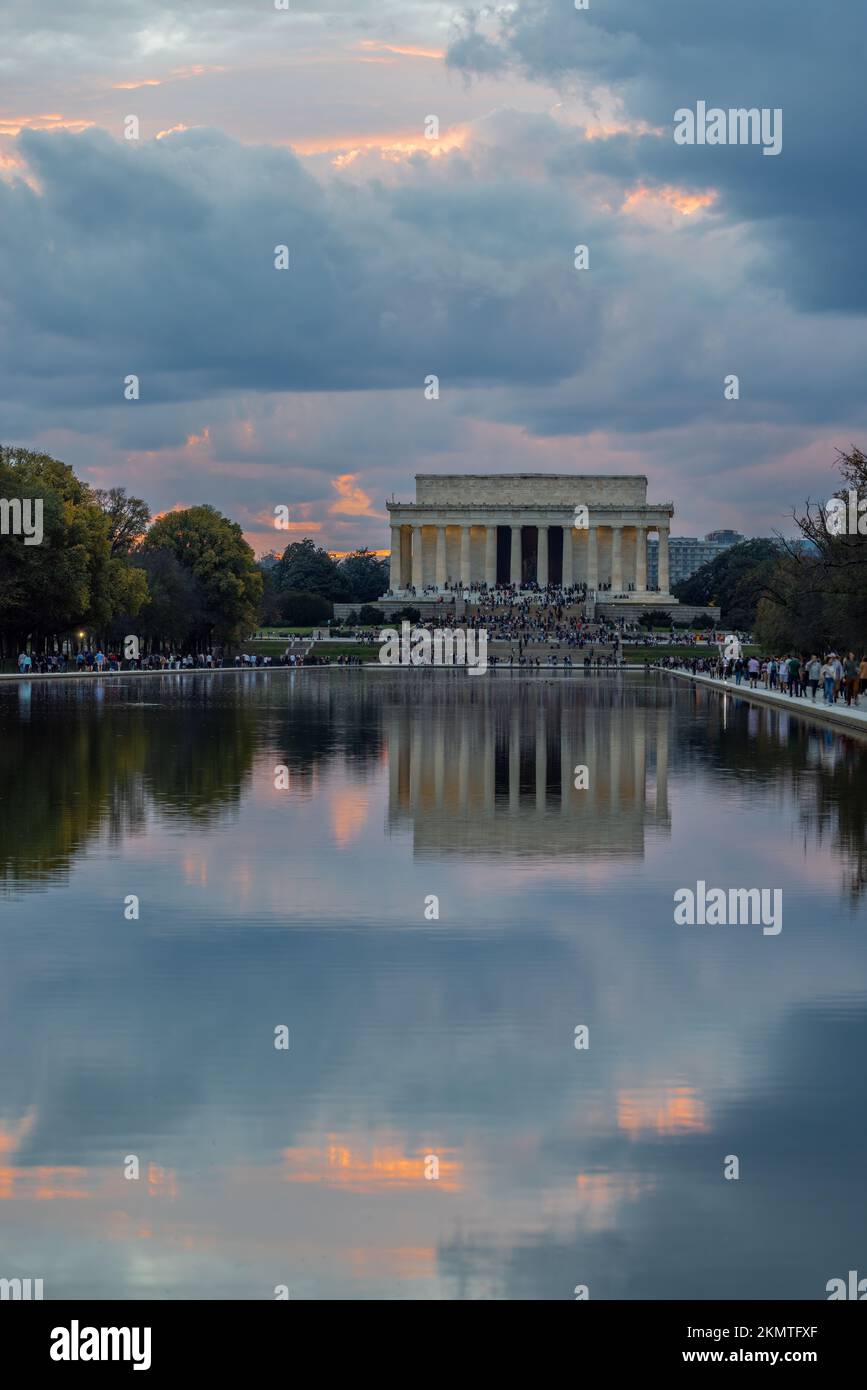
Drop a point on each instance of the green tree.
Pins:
(366, 576)
(213, 550)
(176, 604)
(370, 616)
(128, 518)
(307, 567)
(71, 579)
(735, 581)
(304, 610)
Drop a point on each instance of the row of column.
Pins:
(399, 581)
(432, 767)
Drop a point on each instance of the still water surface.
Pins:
(303, 904)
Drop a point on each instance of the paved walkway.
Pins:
(125, 675)
(503, 666)
(838, 713)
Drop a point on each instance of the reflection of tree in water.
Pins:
(86, 760)
(200, 748)
(82, 760)
(64, 776)
(840, 802)
(325, 720)
(823, 771)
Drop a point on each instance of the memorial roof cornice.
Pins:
(559, 507)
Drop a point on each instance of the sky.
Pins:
(411, 256)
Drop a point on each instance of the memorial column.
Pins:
(663, 559)
(416, 557)
(592, 559)
(568, 557)
(616, 558)
(394, 562)
(465, 556)
(441, 557)
(491, 556)
(640, 559)
(541, 556)
(515, 558)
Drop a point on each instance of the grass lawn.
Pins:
(638, 653)
(276, 648)
(365, 650)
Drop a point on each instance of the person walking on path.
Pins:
(794, 675)
(814, 674)
(828, 681)
(850, 678)
(838, 673)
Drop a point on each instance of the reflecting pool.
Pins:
(395, 873)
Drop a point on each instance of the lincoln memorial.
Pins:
(463, 530)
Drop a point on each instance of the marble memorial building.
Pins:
(519, 528)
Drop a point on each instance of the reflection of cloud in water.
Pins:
(377, 1168)
(305, 907)
(671, 1110)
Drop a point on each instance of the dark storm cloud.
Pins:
(159, 260)
(807, 60)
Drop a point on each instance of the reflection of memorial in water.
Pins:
(493, 770)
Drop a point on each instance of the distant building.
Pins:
(686, 554)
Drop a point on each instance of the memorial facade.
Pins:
(520, 528)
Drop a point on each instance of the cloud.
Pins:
(158, 260)
(411, 257)
(659, 58)
(351, 499)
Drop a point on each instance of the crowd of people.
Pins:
(839, 678)
(555, 618)
(495, 593)
(504, 593)
(98, 662)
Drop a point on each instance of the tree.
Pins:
(307, 567)
(71, 578)
(366, 575)
(213, 550)
(270, 607)
(304, 610)
(818, 597)
(735, 581)
(128, 518)
(175, 607)
(370, 616)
